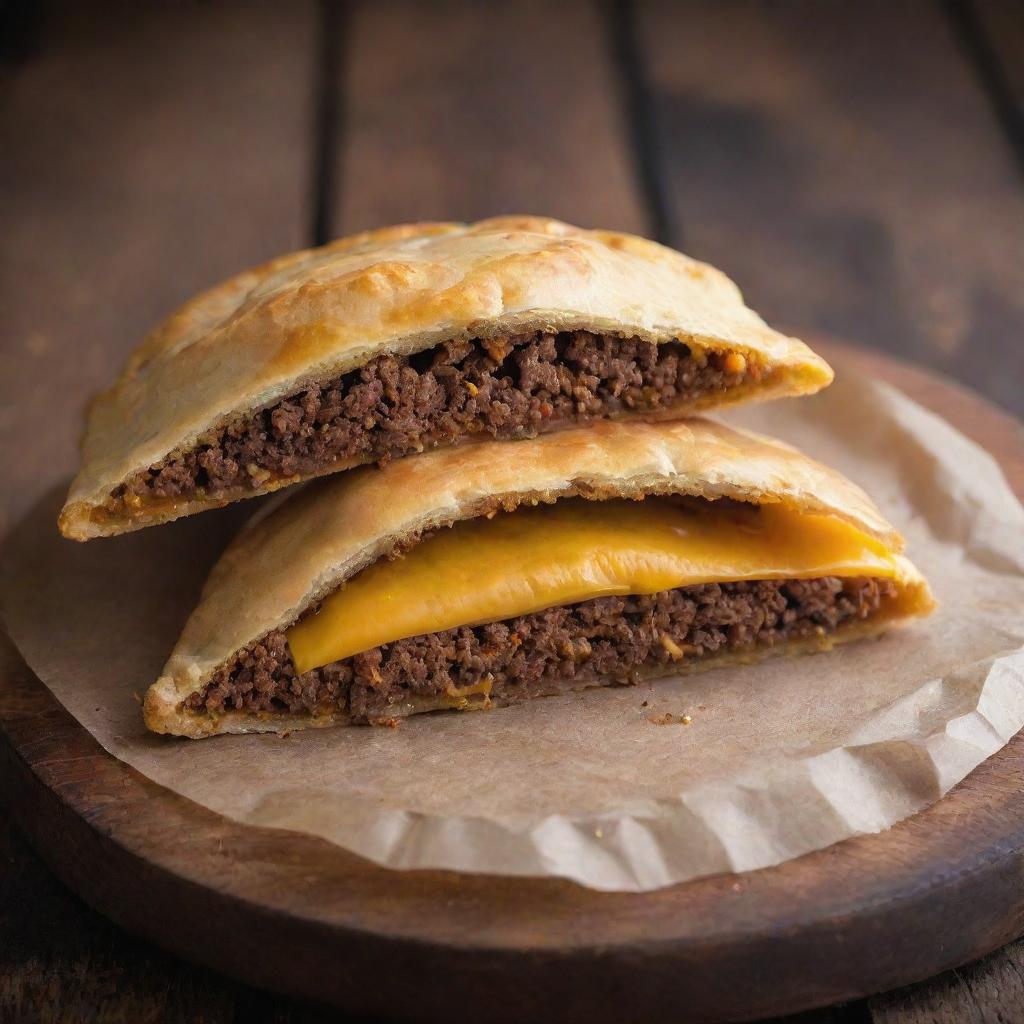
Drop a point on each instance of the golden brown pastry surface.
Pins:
(310, 316)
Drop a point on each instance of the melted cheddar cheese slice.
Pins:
(515, 563)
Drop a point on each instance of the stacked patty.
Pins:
(618, 637)
(507, 387)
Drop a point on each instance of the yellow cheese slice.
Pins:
(484, 570)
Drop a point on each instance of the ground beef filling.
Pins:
(506, 387)
(609, 637)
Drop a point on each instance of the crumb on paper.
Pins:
(668, 718)
(643, 704)
(598, 833)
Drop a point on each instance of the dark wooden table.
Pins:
(857, 166)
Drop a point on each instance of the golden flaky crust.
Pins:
(285, 562)
(310, 316)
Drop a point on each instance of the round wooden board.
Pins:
(293, 913)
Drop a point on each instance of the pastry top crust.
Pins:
(286, 561)
(312, 315)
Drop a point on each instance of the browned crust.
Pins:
(311, 316)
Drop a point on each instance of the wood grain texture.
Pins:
(988, 992)
(844, 163)
(299, 915)
(481, 109)
(62, 963)
(144, 158)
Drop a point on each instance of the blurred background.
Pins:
(857, 167)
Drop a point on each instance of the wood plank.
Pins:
(60, 961)
(989, 990)
(850, 173)
(145, 157)
(457, 110)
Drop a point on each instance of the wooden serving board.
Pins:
(294, 913)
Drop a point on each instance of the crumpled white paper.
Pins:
(777, 759)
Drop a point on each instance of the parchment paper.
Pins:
(777, 759)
